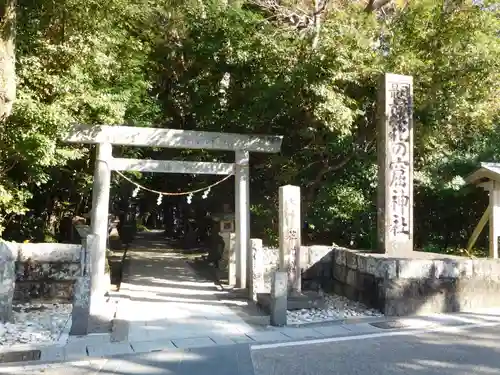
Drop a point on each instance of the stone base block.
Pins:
(442, 295)
(306, 300)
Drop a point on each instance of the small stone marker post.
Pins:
(290, 231)
(83, 298)
(8, 256)
(279, 297)
(228, 262)
(289, 262)
(395, 165)
(256, 282)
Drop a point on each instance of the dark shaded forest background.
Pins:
(307, 70)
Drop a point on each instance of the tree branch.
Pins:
(374, 5)
(297, 18)
(7, 169)
(327, 168)
(318, 8)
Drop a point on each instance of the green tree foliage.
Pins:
(307, 70)
(74, 64)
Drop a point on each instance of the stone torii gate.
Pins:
(105, 136)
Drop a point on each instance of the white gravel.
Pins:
(336, 308)
(35, 323)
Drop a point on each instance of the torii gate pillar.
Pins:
(242, 208)
(99, 217)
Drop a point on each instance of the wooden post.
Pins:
(242, 198)
(99, 216)
(494, 218)
(478, 229)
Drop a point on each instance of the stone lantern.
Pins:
(225, 222)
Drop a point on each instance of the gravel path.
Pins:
(336, 308)
(35, 323)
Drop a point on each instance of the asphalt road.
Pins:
(470, 351)
(473, 351)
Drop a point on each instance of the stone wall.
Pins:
(417, 284)
(43, 271)
(47, 271)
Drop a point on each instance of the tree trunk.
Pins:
(7, 57)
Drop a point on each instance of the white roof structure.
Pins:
(485, 173)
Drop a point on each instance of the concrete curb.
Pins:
(343, 321)
(120, 325)
(19, 348)
(64, 334)
(11, 368)
(83, 349)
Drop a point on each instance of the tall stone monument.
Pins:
(395, 165)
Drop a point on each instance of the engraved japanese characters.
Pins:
(395, 143)
(399, 164)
